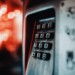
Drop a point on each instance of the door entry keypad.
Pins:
(44, 40)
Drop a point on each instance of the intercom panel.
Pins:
(52, 43)
(41, 60)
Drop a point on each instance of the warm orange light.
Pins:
(17, 13)
(11, 15)
(10, 28)
(4, 36)
(11, 31)
(18, 24)
(5, 17)
(11, 44)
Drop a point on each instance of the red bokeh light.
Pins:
(10, 28)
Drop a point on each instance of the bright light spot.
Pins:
(3, 9)
(1, 13)
(4, 36)
(11, 15)
(11, 30)
(17, 13)
(18, 24)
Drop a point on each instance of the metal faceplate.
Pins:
(38, 66)
(67, 38)
(64, 60)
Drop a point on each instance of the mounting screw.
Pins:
(62, 4)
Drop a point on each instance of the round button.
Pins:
(72, 10)
(38, 55)
(35, 45)
(47, 35)
(44, 26)
(42, 35)
(40, 45)
(37, 36)
(38, 27)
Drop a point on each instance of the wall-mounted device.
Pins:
(50, 38)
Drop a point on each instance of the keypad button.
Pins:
(42, 36)
(37, 36)
(44, 26)
(48, 35)
(51, 25)
(33, 54)
(40, 46)
(39, 55)
(38, 26)
(36, 45)
(48, 46)
(46, 56)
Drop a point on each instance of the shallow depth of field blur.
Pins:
(11, 13)
(10, 26)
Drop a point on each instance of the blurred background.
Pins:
(11, 14)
